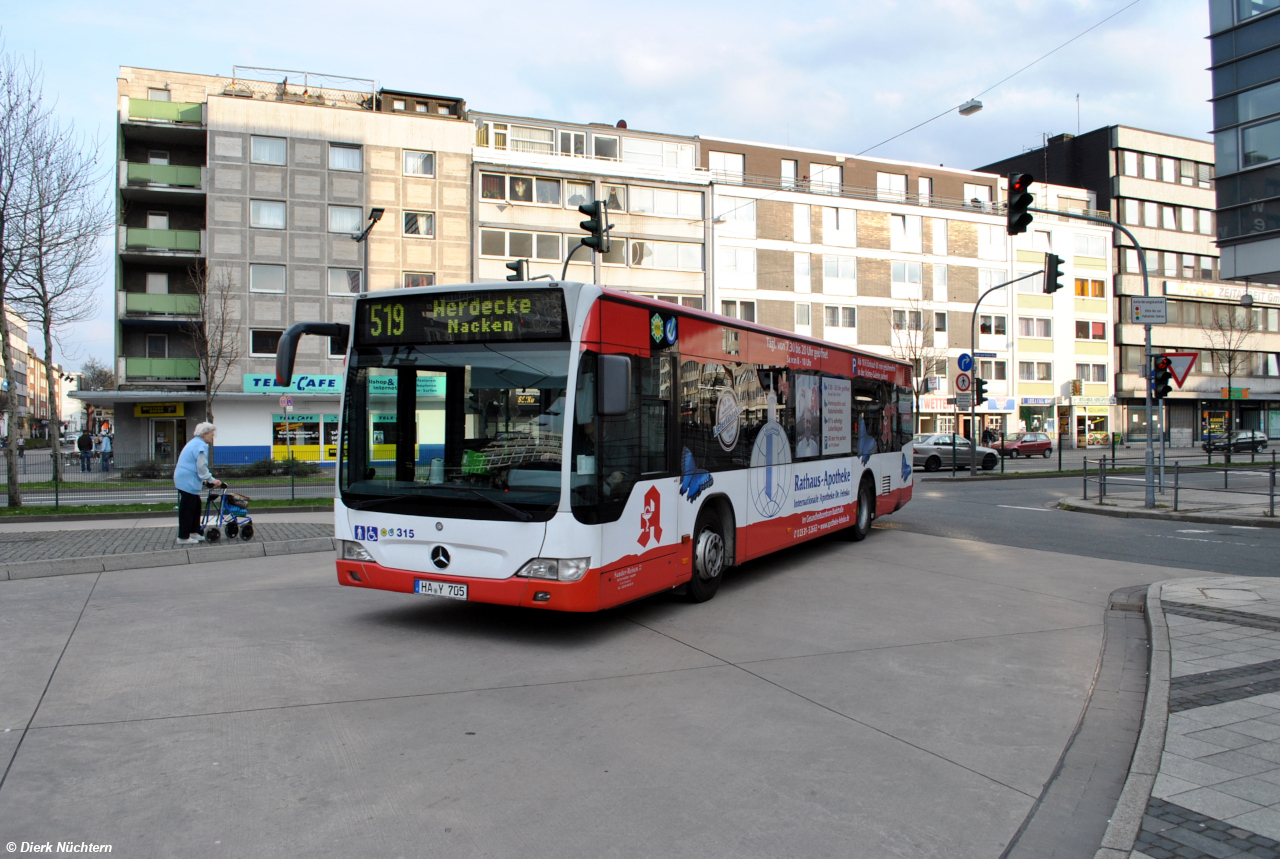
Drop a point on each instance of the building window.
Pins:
(1129, 163)
(727, 166)
(420, 224)
(978, 196)
(1187, 219)
(1205, 218)
(839, 271)
(744, 310)
(337, 347)
(912, 320)
(668, 203)
(1091, 372)
(1168, 218)
(415, 279)
(940, 321)
(906, 233)
(905, 272)
(738, 260)
(345, 219)
(267, 214)
(1042, 241)
(344, 281)
(573, 143)
(996, 325)
(891, 187)
(1035, 371)
(657, 153)
(346, 158)
(790, 172)
(924, 190)
(268, 150)
(1150, 167)
(1086, 330)
(264, 342)
(1132, 212)
(679, 256)
(802, 271)
(1168, 170)
(521, 245)
(397, 104)
(802, 314)
(419, 163)
(266, 278)
(605, 147)
(839, 226)
(154, 94)
(991, 242)
(1260, 143)
(1029, 326)
(826, 178)
(736, 209)
(840, 317)
(1150, 214)
(997, 371)
(579, 194)
(617, 254)
(527, 139)
(615, 197)
(1091, 246)
(1086, 288)
(157, 283)
(157, 345)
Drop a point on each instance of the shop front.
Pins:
(1036, 414)
(165, 428)
(1091, 421)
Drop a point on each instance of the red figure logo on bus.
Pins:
(651, 518)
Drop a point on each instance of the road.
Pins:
(905, 696)
(1021, 513)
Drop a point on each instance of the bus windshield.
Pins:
(474, 430)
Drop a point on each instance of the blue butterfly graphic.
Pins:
(906, 469)
(693, 479)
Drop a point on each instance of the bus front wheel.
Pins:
(863, 515)
(709, 558)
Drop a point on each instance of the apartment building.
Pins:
(15, 402)
(42, 402)
(261, 178)
(1161, 187)
(892, 256)
(1245, 40)
(530, 176)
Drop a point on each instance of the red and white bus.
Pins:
(571, 447)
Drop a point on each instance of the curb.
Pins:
(1074, 505)
(995, 475)
(146, 514)
(1126, 821)
(164, 558)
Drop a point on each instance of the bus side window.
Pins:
(655, 414)
(906, 417)
(606, 451)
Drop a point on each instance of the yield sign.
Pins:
(1180, 364)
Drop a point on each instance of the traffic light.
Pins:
(598, 225)
(1052, 273)
(1017, 218)
(979, 390)
(520, 267)
(1161, 382)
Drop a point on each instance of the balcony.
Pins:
(147, 304)
(162, 369)
(171, 175)
(166, 111)
(140, 240)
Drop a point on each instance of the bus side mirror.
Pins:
(287, 350)
(613, 397)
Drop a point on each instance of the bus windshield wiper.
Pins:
(372, 502)
(503, 506)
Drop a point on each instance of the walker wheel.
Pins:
(232, 530)
(212, 535)
(246, 533)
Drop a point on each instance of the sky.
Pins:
(840, 76)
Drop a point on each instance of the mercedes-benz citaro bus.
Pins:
(566, 446)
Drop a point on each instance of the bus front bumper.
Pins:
(582, 595)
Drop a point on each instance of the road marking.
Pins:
(1247, 527)
(1193, 531)
(1015, 507)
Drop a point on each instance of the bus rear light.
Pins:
(556, 569)
(354, 551)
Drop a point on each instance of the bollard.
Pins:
(1224, 474)
(1060, 453)
(1102, 478)
(1084, 473)
(292, 495)
(1271, 494)
(1176, 483)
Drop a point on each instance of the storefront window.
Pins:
(296, 437)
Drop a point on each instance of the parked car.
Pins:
(1237, 441)
(934, 451)
(1017, 444)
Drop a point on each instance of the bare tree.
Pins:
(215, 333)
(1228, 334)
(67, 215)
(97, 376)
(23, 113)
(911, 339)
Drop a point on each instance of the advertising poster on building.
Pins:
(837, 432)
(807, 416)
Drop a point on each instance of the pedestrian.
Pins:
(22, 448)
(84, 444)
(191, 472)
(106, 452)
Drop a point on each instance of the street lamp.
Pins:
(375, 215)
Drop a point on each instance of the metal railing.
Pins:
(187, 369)
(1110, 476)
(168, 240)
(176, 175)
(161, 304)
(95, 478)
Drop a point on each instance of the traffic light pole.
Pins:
(973, 351)
(1150, 499)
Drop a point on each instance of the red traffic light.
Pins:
(1020, 182)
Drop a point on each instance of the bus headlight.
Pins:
(354, 551)
(556, 569)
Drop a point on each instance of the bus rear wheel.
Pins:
(709, 558)
(863, 515)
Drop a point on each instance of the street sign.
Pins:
(289, 409)
(1235, 393)
(965, 362)
(964, 401)
(286, 401)
(1149, 311)
(984, 354)
(963, 382)
(1180, 364)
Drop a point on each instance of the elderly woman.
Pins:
(191, 472)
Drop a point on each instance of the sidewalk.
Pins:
(1213, 723)
(1194, 505)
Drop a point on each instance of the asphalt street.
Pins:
(1023, 513)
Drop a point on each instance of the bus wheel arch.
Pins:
(865, 511)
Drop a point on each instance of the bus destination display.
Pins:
(462, 317)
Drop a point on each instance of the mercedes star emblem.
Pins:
(440, 557)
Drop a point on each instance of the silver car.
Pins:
(934, 451)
